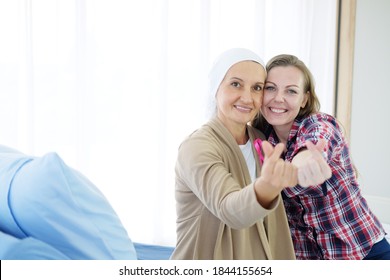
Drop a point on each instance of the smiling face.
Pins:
(239, 95)
(284, 96)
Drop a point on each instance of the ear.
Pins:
(305, 99)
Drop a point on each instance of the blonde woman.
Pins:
(330, 220)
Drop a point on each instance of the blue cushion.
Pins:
(153, 252)
(43, 198)
(27, 248)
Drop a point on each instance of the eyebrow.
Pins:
(237, 78)
(286, 86)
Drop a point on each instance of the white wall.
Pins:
(370, 133)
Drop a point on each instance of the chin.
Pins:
(276, 122)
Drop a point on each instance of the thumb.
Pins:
(320, 146)
(272, 152)
(267, 148)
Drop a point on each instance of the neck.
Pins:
(240, 134)
(282, 134)
(242, 140)
(238, 130)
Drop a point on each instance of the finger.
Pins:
(311, 174)
(294, 177)
(317, 151)
(279, 148)
(308, 179)
(284, 174)
(302, 180)
(279, 169)
(267, 149)
(325, 169)
(320, 146)
(310, 146)
(272, 154)
(322, 163)
(315, 174)
(290, 175)
(277, 152)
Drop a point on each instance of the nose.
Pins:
(279, 96)
(246, 96)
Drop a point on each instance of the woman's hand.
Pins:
(276, 174)
(313, 168)
(275, 171)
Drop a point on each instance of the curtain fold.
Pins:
(114, 86)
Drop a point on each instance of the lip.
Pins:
(243, 109)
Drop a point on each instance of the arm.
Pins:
(223, 191)
(207, 176)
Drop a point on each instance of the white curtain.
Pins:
(113, 86)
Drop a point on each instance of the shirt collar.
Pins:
(273, 138)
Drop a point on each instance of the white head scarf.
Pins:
(223, 63)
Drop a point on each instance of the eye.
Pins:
(292, 91)
(258, 87)
(235, 84)
(269, 88)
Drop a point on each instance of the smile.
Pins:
(243, 109)
(278, 111)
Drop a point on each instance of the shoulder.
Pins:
(319, 120)
(198, 136)
(321, 125)
(213, 133)
(204, 139)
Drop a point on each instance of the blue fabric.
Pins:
(28, 248)
(380, 251)
(43, 198)
(153, 252)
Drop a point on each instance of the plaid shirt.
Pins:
(332, 220)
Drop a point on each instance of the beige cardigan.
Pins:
(218, 216)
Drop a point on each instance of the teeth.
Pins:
(277, 110)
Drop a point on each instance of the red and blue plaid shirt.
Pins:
(332, 220)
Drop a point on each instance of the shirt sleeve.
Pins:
(208, 177)
(313, 128)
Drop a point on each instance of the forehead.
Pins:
(290, 74)
(246, 68)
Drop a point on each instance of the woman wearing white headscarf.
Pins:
(228, 202)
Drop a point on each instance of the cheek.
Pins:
(258, 100)
(220, 96)
(298, 103)
(265, 98)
